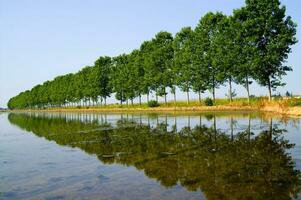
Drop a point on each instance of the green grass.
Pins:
(295, 102)
(218, 102)
(238, 102)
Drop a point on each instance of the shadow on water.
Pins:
(234, 165)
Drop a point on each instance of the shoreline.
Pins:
(277, 109)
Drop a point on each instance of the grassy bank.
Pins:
(239, 102)
(282, 106)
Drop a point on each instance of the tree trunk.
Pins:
(199, 93)
(105, 100)
(166, 125)
(187, 92)
(187, 85)
(248, 89)
(230, 89)
(147, 96)
(140, 99)
(165, 100)
(213, 88)
(174, 98)
(175, 122)
(270, 90)
(132, 101)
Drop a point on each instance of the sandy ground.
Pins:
(291, 111)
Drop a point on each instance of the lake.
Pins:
(149, 156)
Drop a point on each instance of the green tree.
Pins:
(146, 62)
(206, 32)
(119, 77)
(103, 71)
(226, 53)
(243, 49)
(140, 79)
(273, 34)
(160, 63)
(183, 59)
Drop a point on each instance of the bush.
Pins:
(208, 102)
(153, 103)
(296, 102)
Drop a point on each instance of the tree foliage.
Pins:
(251, 45)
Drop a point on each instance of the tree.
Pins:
(131, 71)
(88, 84)
(273, 34)
(146, 62)
(136, 74)
(206, 31)
(243, 49)
(119, 77)
(183, 59)
(103, 71)
(160, 62)
(225, 52)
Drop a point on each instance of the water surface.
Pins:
(155, 156)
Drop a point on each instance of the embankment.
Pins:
(274, 108)
(290, 111)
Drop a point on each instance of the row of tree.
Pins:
(252, 44)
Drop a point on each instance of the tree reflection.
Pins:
(222, 166)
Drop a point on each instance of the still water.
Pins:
(149, 156)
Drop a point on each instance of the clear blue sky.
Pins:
(42, 39)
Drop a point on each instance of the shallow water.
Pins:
(156, 156)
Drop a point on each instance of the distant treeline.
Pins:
(250, 45)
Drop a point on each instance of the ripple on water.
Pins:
(60, 197)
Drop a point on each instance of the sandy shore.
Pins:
(290, 111)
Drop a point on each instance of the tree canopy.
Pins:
(250, 45)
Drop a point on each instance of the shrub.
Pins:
(153, 103)
(208, 102)
(296, 102)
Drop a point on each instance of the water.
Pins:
(156, 156)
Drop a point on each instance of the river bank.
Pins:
(273, 108)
